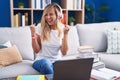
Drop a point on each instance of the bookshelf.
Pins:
(32, 12)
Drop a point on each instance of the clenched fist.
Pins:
(33, 29)
(66, 29)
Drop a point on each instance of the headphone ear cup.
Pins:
(60, 16)
(59, 12)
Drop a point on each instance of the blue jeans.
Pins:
(44, 66)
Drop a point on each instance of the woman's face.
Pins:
(50, 17)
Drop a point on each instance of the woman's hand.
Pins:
(33, 29)
(66, 29)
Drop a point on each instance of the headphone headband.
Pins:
(60, 15)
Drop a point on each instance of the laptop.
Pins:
(77, 69)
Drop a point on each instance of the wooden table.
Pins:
(14, 78)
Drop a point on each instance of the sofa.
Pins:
(105, 39)
(94, 35)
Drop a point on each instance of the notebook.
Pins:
(77, 69)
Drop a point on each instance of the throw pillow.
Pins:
(113, 37)
(92, 35)
(9, 56)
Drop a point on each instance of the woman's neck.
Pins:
(53, 27)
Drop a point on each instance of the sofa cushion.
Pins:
(9, 56)
(111, 61)
(113, 41)
(73, 41)
(95, 34)
(22, 68)
(21, 37)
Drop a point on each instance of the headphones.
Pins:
(58, 10)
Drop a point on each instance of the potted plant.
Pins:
(71, 21)
(21, 4)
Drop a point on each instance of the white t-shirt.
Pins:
(50, 50)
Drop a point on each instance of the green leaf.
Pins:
(103, 7)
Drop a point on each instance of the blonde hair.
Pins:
(45, 28)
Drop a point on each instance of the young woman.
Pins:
(51, 39)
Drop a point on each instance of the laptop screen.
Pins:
(77, 69)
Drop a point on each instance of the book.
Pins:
(100, 75)
(79, 4)
(84, 49)
(98, 65)
(33, 4)
(96, 59)
(38, 4)
(23, 20)
(64, 18)
(30, 77)
(105, 74)
(110, 71)
(74, 4)
(70, 4)
(45, 3)
(26, 18)
(16, 18)
(19, 19)
(88, 55)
